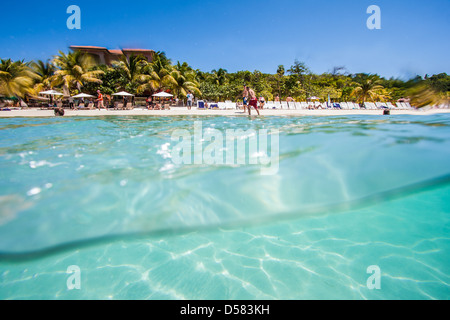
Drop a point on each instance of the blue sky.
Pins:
(243, 35)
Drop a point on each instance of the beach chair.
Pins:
(277, 104)
(390, 106)
(200, 104)
(284, 105)
(368, 105)
(343, 105)
(408, 106)
(399, 106)
(320, 105)
(228, 104)
(214, 105)
(270, 105)
(380, 105)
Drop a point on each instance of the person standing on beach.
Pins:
(253, 101)
(190, 98)
(71, 105)
(245, 97)
(100, 100)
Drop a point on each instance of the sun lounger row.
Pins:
(284, 105)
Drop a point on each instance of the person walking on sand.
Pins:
(100, 100)
(253, 101)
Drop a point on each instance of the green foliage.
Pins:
(16, 78)
(75, 72)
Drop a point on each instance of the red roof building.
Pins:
(106, 56)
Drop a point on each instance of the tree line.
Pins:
(77, 72)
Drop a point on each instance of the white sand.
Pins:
(184, 112)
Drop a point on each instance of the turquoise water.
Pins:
(105, 195)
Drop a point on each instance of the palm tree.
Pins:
(160, 74)
(44, 72)
(368, 87)
(219, 76)
(183, 84)
(132, 73)
(74, 70)
(280, 75)
(16, 78)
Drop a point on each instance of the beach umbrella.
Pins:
(83, 95)
(123, 94)
(163, 95)
(51, 93)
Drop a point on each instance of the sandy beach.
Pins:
(179, 111)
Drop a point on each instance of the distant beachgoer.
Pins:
(190, 99)
(245, 94)
(71, 105)
(253, 101)
(277, 98)
(59, 112)
(100, 100)
(149, 103)
(262, 102)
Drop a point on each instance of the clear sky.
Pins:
(242, 34)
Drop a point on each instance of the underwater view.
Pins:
(348, 195)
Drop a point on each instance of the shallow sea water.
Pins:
(105, 195)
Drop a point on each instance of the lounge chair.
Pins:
(390, 106)
(291, 105)
(200, 104)
(408, 106)
(284, 105)
(269, 105)
(371, 106)
(381, 105)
